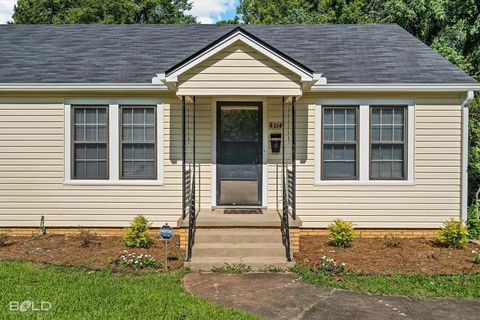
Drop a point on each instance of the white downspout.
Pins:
(466, 98)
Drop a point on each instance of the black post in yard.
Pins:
(294, 159)
(183, 157)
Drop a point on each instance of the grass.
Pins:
(234, 268)
(411, 285)
(82, 294)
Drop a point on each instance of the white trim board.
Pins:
(82, 87)
(364, 140)
(114, 141)
(263, 100)
(395, 87)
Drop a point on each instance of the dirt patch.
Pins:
(375, 256)
(68, 251)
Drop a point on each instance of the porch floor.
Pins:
(216, 218)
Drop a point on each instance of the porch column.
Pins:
(183, 156)
(194, 151)
(294, 159)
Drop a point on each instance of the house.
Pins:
(242, 138)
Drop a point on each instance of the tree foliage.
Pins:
(102, 11)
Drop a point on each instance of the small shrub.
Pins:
(392, 241)
(87, 237)
(136, 261)
(476, 257)
(138, 235)
(234, 268)
(341, 233)
(329, 265)
(453, 234)
(4, 237)
(473, 221)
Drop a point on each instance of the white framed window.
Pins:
(382, 148)
(114, 141)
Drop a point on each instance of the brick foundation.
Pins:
(295, 233)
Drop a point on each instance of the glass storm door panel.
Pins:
(239, 153)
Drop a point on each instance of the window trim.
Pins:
(121, 142)
(363, 140)
(113, 141)
(357, 122)
(72, 140)
(404, 143)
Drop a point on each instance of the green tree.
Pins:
(102, 11)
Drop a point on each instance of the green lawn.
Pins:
(83, 294)
(412, 285)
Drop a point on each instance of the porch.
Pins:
(245, 191)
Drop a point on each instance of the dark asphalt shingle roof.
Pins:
(347, 54)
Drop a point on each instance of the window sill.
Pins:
(114, 182)
(365, 183)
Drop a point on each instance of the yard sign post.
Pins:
(166, 233)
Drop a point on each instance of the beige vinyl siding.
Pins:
(32, 174)
(239, 70)
(433, 198)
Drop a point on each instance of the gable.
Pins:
(239, 70)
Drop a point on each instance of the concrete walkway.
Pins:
(285, 296)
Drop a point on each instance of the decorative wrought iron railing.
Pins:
(288, 182)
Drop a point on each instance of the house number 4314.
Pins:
(275, 125)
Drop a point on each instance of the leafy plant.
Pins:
(476, 257)
(4, 237)
(473, 222)
(138, 234)
(329, 265)
(87, 237)
(392, 241)
(136, 261)
(341, 233)
(234, 268)
(453, 234)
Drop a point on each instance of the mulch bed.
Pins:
(68, 251)
(375, 256)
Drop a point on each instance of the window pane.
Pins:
(79, 115)
(398, 116)
(138, 133)
(79, 133)
(150, 116)
(91, 133)
(339, 115)
(127, 116)
(386, 133)
(91, 115)
(350, 152)
(339, 169)
(339, 134)
(375, 134)
(387, 115)
(328, 116)
(351, 115)
(328, 153)
(102, 116)
(328, 134)
(351, 133)
(398, 133)
(376, 116)
(138, 115)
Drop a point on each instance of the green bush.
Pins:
(453, 234)
(137, 235)
(341, 233)
(473, 222)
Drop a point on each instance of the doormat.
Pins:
(242, 211)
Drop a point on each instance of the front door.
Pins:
(239, 153)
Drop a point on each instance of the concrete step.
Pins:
(238, 236)
(238, 249)
(255, 263)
